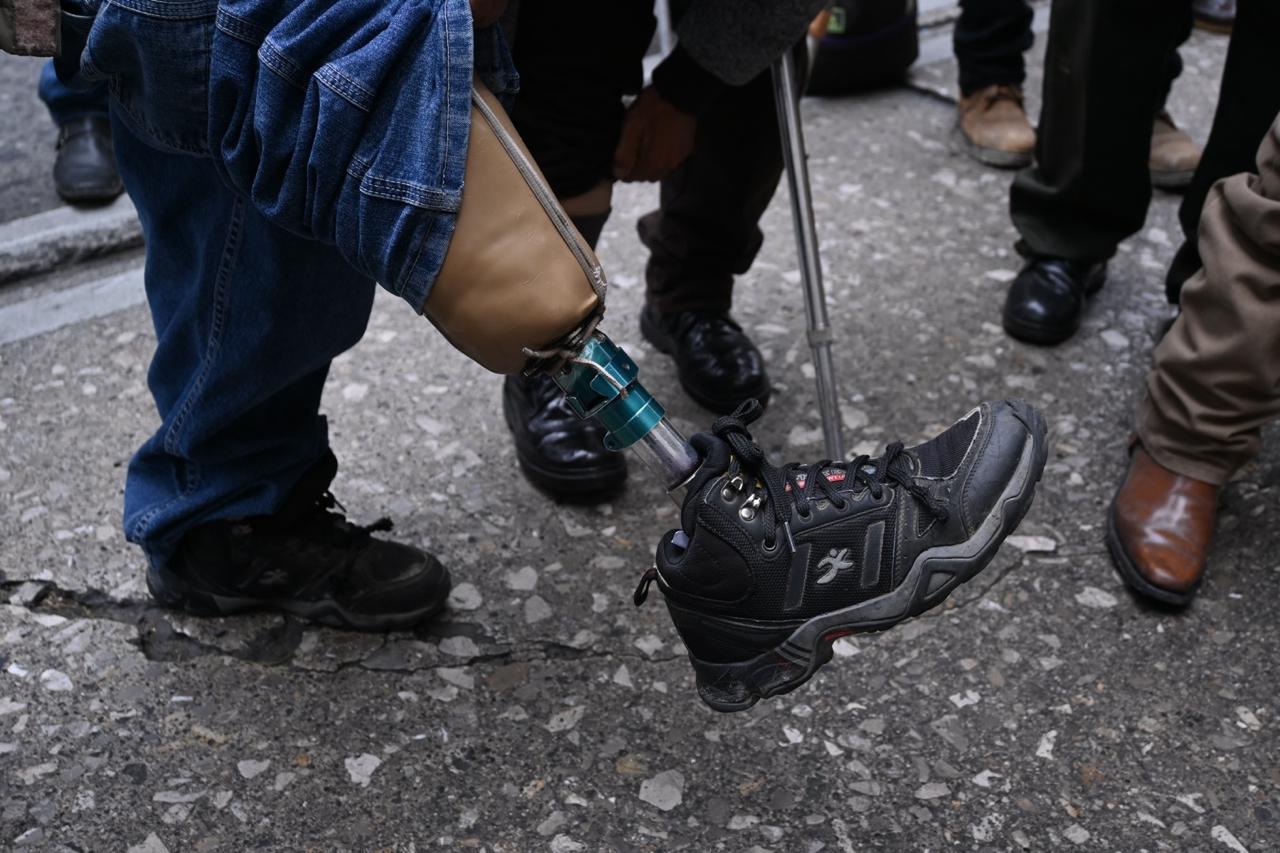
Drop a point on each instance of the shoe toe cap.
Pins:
(998, 456)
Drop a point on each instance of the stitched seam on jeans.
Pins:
(170, 10)
(276, 60)
(138, 122)
(214, 343)
(347, 88)
(240, 29)
(357, 173)
(403, 282)
(230, 250)
(448, 90)
(393, 189)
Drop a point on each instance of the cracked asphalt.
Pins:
(1041, 709)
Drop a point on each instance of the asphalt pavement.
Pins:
(1042, 709)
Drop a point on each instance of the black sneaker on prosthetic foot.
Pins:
(307, 560)
(771, 565)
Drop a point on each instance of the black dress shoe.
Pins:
(717, 364)
(1046, 299)
(557, 450)
(85, 169)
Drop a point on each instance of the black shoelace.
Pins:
(799, 485)
(323, 522)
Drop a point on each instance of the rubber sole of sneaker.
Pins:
(578, 485)
(713, 404)
(1040, 335)
(935, 573)
(1133, 578)
(989, 156)
(176, 594)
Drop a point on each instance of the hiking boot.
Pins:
(1216, 16)
(1174, 154)
(771, 565)
(992, 126)
(307, 560)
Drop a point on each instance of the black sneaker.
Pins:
(773, 565)
(307, 560)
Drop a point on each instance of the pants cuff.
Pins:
(1166, 446)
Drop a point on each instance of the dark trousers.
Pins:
(569, 112)
(1247, 104)
(990, 39)
(1108, 69)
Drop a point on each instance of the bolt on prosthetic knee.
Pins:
(521, 291)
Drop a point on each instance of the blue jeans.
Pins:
(66, 102)
(283, 156)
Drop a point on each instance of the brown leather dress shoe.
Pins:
(992, 127)
(1159, 529)
(1174, 154)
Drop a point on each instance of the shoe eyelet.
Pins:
(769, 547)
(804, 516)
(840, 507)
(746, 513)
(878, 495)
(727, 495)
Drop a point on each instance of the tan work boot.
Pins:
(992, 127)
(1174, 155)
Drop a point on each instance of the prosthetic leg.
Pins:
(521, 291)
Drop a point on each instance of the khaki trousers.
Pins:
(1216, 377)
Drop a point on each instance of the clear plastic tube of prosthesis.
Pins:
(667, 454)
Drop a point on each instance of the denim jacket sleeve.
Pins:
(348, 122)
(345, 123)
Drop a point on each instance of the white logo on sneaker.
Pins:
(837, 560)
(274, 577)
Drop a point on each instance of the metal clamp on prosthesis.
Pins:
(601, 382)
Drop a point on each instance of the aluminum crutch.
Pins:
(815, 299)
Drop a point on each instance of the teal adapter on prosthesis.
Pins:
(601, 382)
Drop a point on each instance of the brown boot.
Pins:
(1216, 16)
(1174, 155)
(1159, 529)
(993, 127)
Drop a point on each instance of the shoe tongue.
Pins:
(716, 456)
(302, 498)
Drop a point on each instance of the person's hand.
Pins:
(656, 138)
(485, 13)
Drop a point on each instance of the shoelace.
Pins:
(336, 514)
(798, 485)
(802, 482)
(326, 516)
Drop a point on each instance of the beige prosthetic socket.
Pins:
(518, 276)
